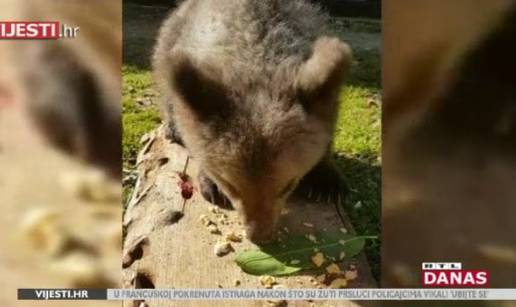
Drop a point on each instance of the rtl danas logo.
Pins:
(451, 274)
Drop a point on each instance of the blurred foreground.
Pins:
(449, 139)
(60, 118)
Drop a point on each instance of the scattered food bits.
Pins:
(342, 255)
(295, 261)
(43, 232)
(338, 283)
(318, 259)
(321, 278)
(231, 236)
(285, 229)
(267, 281)
(344, 230)
(333, 269)
(213, 229)
(205, 220)
(222, 218)
(81, 269)
(91, 185)
(352, 267)
(342, 242)
(309, 225)
(277, 303)
(222, 248)
(351, 274)
(311, 238)
(214, 209)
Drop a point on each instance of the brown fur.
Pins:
(71, 87)
(253, 98)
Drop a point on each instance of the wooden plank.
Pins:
(180, 254)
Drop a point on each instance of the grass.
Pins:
(138, 118)
(357, 148)
(357, 139)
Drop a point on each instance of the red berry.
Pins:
(186, 189)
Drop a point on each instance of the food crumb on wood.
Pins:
(205, 220)
(267, 281)
(333, 269)
(91, 185)
(213, 229)
(80, 269)
(338, 283)
(343, 230)
(222, 218)
(222, 248)
(318, 259)
(214, 209)
(351, 274)
(231, 236)
(309, 225)
(321, 278)
(43, 232)
(277, 303)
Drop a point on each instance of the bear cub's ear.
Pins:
(323, 74)
(197, 87)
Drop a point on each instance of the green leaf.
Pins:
(294, 255)
(257, 262)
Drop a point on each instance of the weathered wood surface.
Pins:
(180, 254)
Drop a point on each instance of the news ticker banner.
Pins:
(267, 294)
